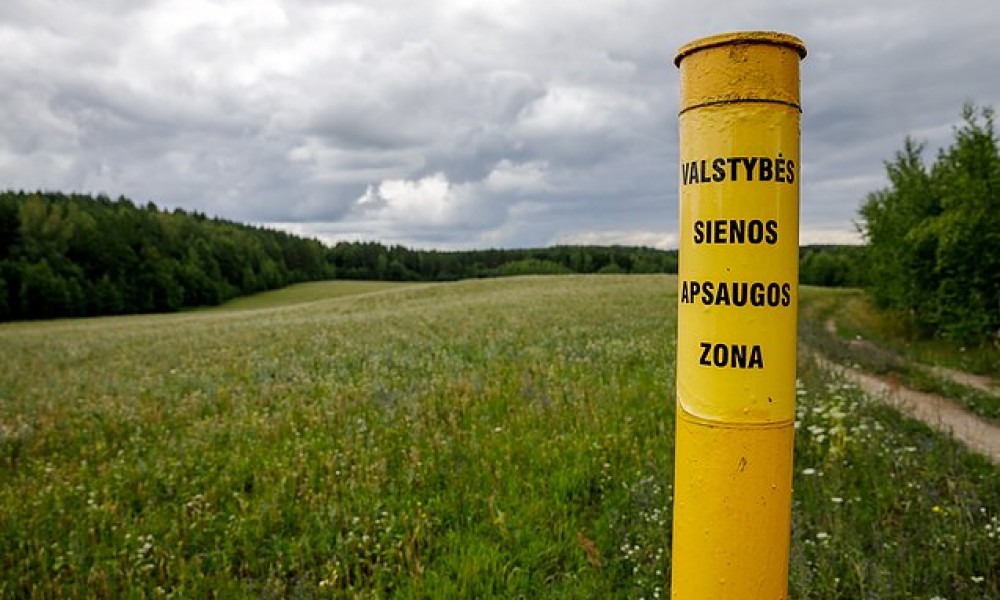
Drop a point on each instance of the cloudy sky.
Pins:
(455, 123)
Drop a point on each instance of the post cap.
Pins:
(741, 37)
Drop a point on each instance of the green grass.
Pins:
(884, 507)
(463, 440)
(880, 344)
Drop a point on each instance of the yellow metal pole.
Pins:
(738, 275)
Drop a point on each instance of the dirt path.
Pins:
(979, 382)
(934, 410)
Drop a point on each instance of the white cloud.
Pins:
(830, 235)
(569, 109)
(510, 177)
(430, 202)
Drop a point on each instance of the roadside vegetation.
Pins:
(844, 326)
(933, 236)
(489, 439)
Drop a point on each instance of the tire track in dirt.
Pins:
(979, 382)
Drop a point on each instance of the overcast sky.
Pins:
(455, 123)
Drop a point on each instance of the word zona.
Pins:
(734, 356)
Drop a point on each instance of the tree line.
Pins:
(933, 235)
(823, 265)
(372, 260)
(76, 255)
(832, 265)
(72, 255)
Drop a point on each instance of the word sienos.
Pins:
(735, 231)
(738, 168)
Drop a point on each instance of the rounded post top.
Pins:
(741, 37)
(747, 66)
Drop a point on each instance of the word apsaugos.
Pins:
(736, 293)
(738, 168)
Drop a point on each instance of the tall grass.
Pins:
(502, 438)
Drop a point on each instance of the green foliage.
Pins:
(371, 260)
(532, 266)
(934, 235)
(74, 255)
(831, 266)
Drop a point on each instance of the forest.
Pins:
(75, 255)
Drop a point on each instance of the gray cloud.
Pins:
(454, 123)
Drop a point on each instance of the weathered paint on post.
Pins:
(738, 298)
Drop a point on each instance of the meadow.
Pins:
(505, 438)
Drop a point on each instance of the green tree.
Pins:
(934, 234)
(10, 225)
(43, 293)
(4, 308)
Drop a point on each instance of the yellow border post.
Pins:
(738, 298)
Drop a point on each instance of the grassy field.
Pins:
(499, 438)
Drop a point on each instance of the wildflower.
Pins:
(822, 535)
(809, 471)
(836, 499)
